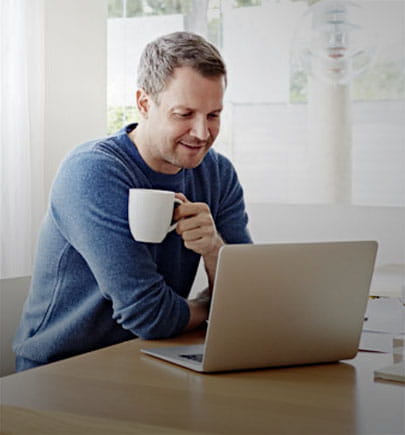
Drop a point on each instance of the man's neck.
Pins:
(133, 135)
(139, 138)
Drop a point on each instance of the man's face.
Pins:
(183, 124)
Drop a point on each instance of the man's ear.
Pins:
(142, 102)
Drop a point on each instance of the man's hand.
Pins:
(197, 228)
(199, 309)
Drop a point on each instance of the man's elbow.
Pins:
(155, 323)
(157, 329)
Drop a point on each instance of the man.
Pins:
(93, 285)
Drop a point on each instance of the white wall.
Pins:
(302, 223)
(274, 223)
(75, 77)
(279, 134)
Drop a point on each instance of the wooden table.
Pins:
(117, 390)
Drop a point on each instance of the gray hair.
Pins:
(161, 56)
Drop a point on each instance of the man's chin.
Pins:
(192, 164)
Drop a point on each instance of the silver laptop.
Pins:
(282, 304)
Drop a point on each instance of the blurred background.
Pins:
(313, 117)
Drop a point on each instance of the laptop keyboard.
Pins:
(198, 357)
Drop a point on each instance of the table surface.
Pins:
(119, 390)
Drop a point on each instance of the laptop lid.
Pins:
(288, 304)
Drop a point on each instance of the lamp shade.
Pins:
(333, 41)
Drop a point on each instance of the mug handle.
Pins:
(173, 226)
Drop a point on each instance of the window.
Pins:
(270, 122)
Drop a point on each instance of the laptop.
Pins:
(282, 304)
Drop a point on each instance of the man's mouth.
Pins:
(192, 146)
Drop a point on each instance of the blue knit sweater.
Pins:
(93, 285)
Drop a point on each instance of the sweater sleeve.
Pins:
(231, 217)
(89, 203)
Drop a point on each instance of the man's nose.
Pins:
(199, 129)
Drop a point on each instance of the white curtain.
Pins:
(21, 132)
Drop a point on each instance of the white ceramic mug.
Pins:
(150, 213)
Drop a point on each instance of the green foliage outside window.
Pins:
(115, 9)
(384, 81)
(136, 8)
(167, 7)
(119, 116)
(246, 3)
(298, 87)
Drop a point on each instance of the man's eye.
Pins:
(183, 115)
(213, 115)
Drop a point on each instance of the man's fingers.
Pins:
(194, 222)
(197, 234)
(181, 196)
(190, 209)
(196, 226)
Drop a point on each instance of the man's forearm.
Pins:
(210, 263)
(199, 309)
